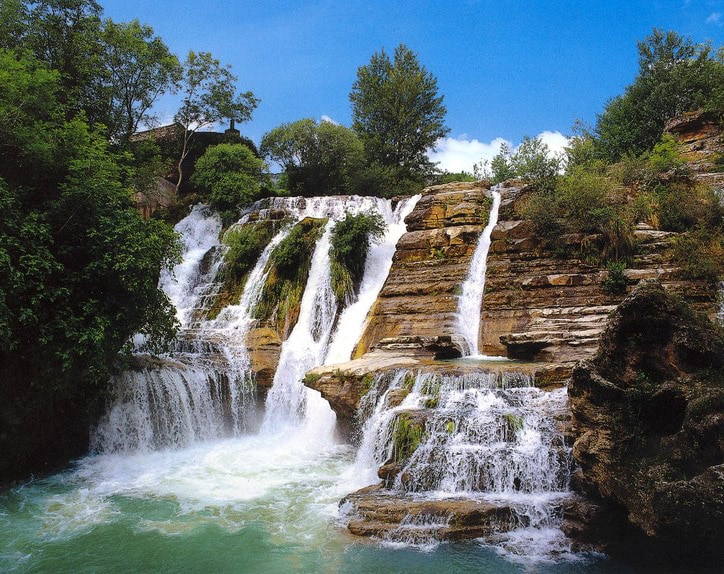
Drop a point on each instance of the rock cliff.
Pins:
(648, 414)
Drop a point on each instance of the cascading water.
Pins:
(172, 490)
(491, 436)
(305, 348)
(470, 302)
(377, 267)
(720, 313)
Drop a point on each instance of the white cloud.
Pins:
(714, 18)
(555, 141)
(326, 118)
(460, 154)
(456, 155)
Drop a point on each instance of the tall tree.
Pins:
(397, 111)
(209, 95)
(139, 68)
(66, 36)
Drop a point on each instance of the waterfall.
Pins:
(306, 345)
(720, 312)
(204, 389)
(486, 435)
(186, 283)
(379, 260)
(470, 303)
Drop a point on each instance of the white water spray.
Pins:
(470, 303)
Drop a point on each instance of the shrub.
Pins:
(700, 254)
(615, 282)
(350, 243)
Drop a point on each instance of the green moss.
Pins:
(351, 240)
(367, 383)
(245, 244)
(289, 266)
(513, 422)
(408, 435)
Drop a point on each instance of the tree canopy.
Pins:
(208, 96)
(397, 112)
(675, 75)
(319, 158)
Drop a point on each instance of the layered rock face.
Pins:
(419, 298)
(538, 305)
(648, 413)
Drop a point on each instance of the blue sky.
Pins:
(507, 69)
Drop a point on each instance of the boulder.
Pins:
(648, 417)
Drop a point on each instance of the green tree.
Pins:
(531, 161)
(230, 175)
(66, 36)
(79, 269)
(209, 95)
(140, 68)
(397, 112)
(675, 75)
(318, 158)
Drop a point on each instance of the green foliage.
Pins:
(532, 161)
(244, 244)
(448, 177)
(79, 266)
(615, 282)
(230, 177)
(318, 158)
(397, 112)
(288, 271)
(700, 254)
(139, 68)
(407, 436)
(350, 244)
(675, 76)
(208, 96)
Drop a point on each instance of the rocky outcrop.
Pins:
(378, 513)
(419, 298)
(700, 137)
(648, 414)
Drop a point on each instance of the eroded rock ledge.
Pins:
(648, 414)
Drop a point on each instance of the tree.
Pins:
(231, 176)
(318, 158)
(209, 96)
(397, 112)
(79, 269)
(675, 75)
(531, 161)
(66, 36)
(140, 68)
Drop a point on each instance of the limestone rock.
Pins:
(391, 516)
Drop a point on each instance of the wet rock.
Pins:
(381, 514)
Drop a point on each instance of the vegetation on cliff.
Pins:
(289, 267)
(351, 240)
